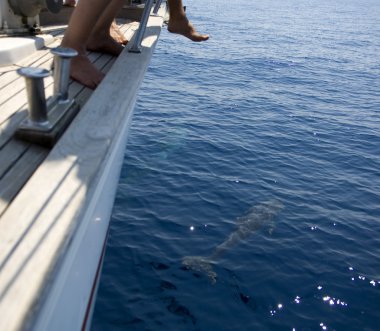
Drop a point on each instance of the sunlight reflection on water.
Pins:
(287, 109)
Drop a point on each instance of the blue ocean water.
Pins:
(281, 104)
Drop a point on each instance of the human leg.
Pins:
(81, 32)
(76, 36)
(100, 39)
(178, 22)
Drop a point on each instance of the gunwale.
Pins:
(56, 195)
(19, 159)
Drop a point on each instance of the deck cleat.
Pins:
(48, 119)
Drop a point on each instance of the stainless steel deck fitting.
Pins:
(136, 47)
(62, 58)
(34, 79)
(157, 7)
(32, 8)
(48, 119)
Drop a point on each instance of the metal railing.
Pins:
(48, 118)
(136, 46)
(157, 7)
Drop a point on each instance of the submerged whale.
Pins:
(257, 217)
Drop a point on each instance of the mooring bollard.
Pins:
(48, 119)
(34, 79)
(62, 60)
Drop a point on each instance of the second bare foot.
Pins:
(84, 72)
(183, 27)
(104, 44)
(117, 34)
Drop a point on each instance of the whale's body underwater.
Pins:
(257, 217)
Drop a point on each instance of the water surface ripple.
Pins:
(281, 103)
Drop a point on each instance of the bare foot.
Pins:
(84, 72)
(117, 34)
(183, 27)
(104, 44)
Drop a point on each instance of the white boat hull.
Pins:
(71, 299)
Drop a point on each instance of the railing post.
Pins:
(136, 47)
(157, 7)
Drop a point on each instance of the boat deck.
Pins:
(55, 203)
(19, 159)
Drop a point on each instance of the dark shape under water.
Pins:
(165, 285)
(159, 266)
(254, 219)
(177, 309)
(245, 298)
